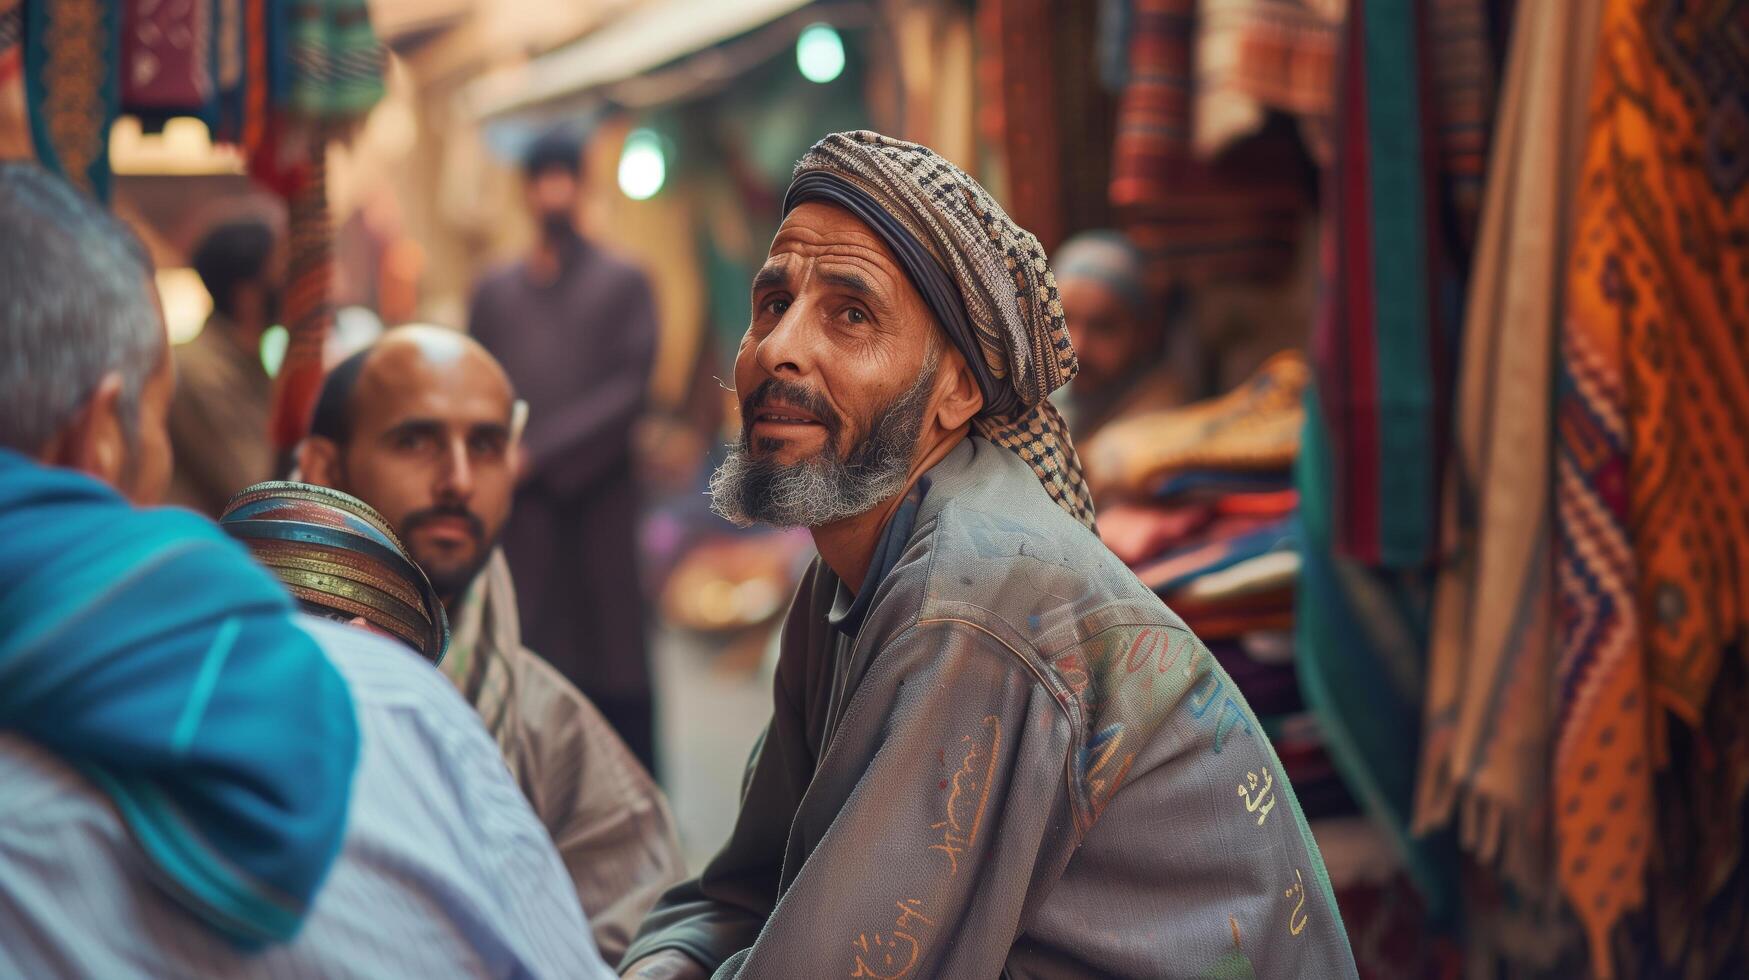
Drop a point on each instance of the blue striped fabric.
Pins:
(144, 648)
(444, 872)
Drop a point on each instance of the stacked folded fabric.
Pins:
(1200, 502)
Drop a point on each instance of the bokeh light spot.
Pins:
(274, 341)
(820, 53)
(643, 167)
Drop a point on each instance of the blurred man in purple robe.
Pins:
(575, 328)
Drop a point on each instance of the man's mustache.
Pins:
(419, 518)
(789, 393)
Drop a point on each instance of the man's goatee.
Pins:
(813, 492)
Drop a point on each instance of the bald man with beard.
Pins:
(421, 426)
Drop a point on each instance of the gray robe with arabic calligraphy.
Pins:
(1021, 764)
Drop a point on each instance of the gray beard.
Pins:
(824, 488)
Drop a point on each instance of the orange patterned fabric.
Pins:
(1652, 432)
(70, 84)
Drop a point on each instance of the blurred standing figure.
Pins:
(575, 329)
(218, 421)
(1117, 331)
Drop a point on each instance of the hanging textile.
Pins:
(1463, 69)
(230, 47)
(1652, 440)
(253, 115)
(1696, 922)
(1359, 635)
(1380, 341)
(309, 312)
(1086, 114)
(1195, 220)
(14, 117)
(228, 44)
(1112, 43)
(1492, 644)
(1016, 73)
(312, 68)
(166, 56)
(1376, 429)
(1042, 104)
(279, 63)
(336, 61)
(1415, 106)
(324, 70)
(1253, 56)
(71, 53)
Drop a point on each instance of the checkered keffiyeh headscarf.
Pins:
(984, 277)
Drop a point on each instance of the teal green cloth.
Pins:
(336, 61)
(1384, 341)
(1407, 468)
(1360, 639)
(147, 650)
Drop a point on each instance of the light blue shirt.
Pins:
(445, 871)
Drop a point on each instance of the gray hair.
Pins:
(75, 304)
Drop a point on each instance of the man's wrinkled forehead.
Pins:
(839, 242)
(817, 225)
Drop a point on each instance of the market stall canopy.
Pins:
(647, 37)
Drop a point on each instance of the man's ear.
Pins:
(515, 452)
(319, 461)
(94, 441)
(960, 398)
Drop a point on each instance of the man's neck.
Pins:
(547, 259)
(476, 583)
(847, 546)
(244, 335)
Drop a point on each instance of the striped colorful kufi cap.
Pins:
(339, 559)
(984, 277)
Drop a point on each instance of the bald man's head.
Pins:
(419, 343)
(419, 426)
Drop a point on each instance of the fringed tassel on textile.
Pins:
(1653, 451)
(1487, 755)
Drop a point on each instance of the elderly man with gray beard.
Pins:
(993, 751)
